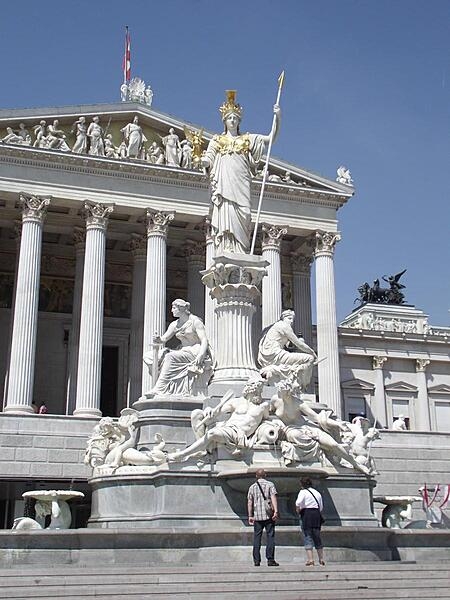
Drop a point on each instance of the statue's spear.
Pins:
(266, 166)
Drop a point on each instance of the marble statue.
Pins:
(12, 138)
(148, 96)
(397, 511)
(124, 92)
(136, 91)
(134, 138)
(277, 362)
(80, 130)
(49, 502)
(155, 154)
(113, 444)
(95, 135)
(40, 133)
(172, 148)
(359, 441)
(344, 176)
(24, 134)
(186, 154)
(246, 413)
(399, 424)
(56, 138)
(231, 160)
(186, 370)
(110, 150)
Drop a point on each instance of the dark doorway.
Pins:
(108, 390)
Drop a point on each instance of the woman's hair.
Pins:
(287, 313)
(182, 304)
(305, 482)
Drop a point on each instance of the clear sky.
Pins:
(367, 85)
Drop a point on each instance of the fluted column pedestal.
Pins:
(301, 290)
(138, 247)
(327, 337)
(155, 286)
(379, 408)
(79, 236)
(234, 280)
(195, 259)
(272, 303)
(91, 323)
(422, 420)
(23, 342)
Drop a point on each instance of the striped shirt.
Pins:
(254, 494)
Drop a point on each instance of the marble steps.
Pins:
(337, 581)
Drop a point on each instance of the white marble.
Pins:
(379, 408)
(271, 285)
(23, 341)
(210, 302)
(138, 247)
(134, 138)
(301, 289)
(53, 503)
(327, 340)
(91, 324)
(423, 422)
(195, 253)
(344, 176)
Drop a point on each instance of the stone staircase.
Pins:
(365, 581)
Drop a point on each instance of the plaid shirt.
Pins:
(254, 494)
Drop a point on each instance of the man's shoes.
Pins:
(256, 563)
(272, 563)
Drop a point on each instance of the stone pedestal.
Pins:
(23, 341)
(234, 280)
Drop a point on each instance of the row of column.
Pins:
(422, 405)
(148, 304)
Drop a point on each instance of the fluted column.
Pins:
(379, 409)
(138, 246)
(210, 302)
(301, 290)
(79, 236)
(272, 301)
(23, 342)
(155, 284)
(327, 337)
(422, 416)
(195, 258)
(91, 324)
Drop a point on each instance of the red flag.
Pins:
(127, 57)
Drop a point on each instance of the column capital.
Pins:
(378, 361)
(96, 215)
(325, 242)
(33, 207)
(422, 364)
(157, 222)
(195, 250)
(272, 235)
(138, 245)
(301, 264)
(79, 239)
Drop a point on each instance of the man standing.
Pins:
(260, 517)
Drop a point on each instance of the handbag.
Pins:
(267, 502)
(322, 518)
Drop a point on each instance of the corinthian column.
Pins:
(379, 409)
(272, 303)
(79, 237)
(423, 422)
(210, 302)
(91, 324)
(195, 258)
(138, 246)
(155, 284)
(23, 342)
(327, 337)
(301, 289)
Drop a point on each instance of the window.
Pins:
(400, 407)
(356, 407)
(442, 415)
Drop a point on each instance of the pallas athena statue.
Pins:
(231, 160)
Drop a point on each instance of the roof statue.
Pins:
(136, 91)
(380, 295)
(344, 176)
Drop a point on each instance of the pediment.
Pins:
(439, 389)
(156, 124)
(357, 384)
(400, 386)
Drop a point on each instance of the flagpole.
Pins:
(266, 166)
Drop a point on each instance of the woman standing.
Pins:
(310, 505)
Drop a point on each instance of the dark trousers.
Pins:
(258, 528)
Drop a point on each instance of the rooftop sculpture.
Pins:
(380, 295)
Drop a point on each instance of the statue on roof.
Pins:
(344, 176)
(134, 138)
(136, 91)
(231, 160)
(381, 295)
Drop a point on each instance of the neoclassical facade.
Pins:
(96, 243)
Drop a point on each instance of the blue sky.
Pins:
(367, 85)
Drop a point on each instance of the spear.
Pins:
(266, 166)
